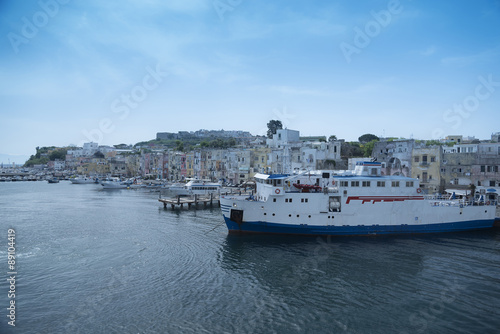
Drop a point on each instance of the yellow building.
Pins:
(190, 164)
(95, 166)
(259, 160)
(426, 166)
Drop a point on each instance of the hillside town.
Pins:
(455, 162)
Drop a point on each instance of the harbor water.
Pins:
(89, 260)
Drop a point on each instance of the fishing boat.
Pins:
(358, 202)
(53, 180)
(195, 187)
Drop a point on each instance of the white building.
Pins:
(88, 150)
(461, 148)
(289, 154)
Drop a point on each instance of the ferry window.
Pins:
(492, 183)
(274, 199)
(380, 183)
(302, 200)
(290, 201)
(354, 183)
(307, 200)
(366, 183)
(374, 171)
(326, 175)
(279, 182)
(409, 183)
(395, 183)
(344, 183)
(286, 200)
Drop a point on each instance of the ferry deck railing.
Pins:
(439, 200)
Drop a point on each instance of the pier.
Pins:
(195, 199)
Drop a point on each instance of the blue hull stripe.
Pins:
(273, 228)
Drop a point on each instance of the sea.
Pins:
(89, 260)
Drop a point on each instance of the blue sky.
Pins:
(120, 71)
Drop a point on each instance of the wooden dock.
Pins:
(206, 200)
(192, 200)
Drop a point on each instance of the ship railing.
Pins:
(439, 200)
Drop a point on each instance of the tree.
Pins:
(179, 145)
(59, 154)
(368, 148)
(368, 137)
(332, 138)
(272, 127)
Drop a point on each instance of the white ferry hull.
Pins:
(395, 215)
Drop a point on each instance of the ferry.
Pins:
(358, 202)
(195, 187)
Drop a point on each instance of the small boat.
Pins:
(53, 180)
(82, 180)
(305, 188)
(114, 184)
